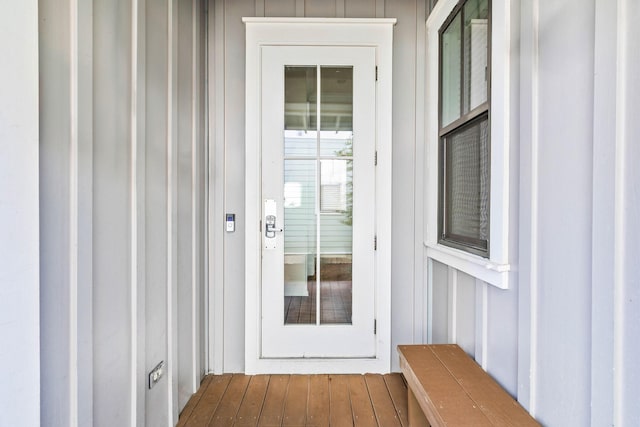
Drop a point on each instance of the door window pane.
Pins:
(335, 289)
(336, 143)
(318, 195)
(336, 98)
(334, 183)
(300, 110)
(336, 111)
(300, 231)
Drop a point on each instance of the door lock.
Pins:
(270, 227)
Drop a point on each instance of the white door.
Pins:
(318, 145)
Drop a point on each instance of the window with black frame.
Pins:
(464, 137)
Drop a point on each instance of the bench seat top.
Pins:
(453, 390)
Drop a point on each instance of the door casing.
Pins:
(377, 33)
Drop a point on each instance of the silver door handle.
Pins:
(270, 229)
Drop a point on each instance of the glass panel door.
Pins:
(318, 145)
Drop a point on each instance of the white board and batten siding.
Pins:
(579, 279)
(123, 197)
(122, 174)
(562, 336)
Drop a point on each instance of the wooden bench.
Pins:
(448, 388)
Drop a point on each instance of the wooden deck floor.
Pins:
(298, 400)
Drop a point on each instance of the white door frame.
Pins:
(377, 33)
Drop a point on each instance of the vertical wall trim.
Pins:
(133, 273)
(484, 308)
(172, 300)
(429, 299)
(603, 213)
(533, 278)
(420, 306)
(619, 215)
(453, 305)
(195, 330)
(479, 343)
(217, 175)
(73, 214)
(300, 8)
(85, 213)
(206, 135)
(528, 205)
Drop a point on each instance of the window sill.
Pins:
(495, 274)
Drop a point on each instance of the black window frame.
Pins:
(465, 120)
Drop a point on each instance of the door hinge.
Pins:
(376, 73)
(375, 326)
(375, 159)
(375, 243)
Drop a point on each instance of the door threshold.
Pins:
(317, 366)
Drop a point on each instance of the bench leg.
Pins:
(416, 416)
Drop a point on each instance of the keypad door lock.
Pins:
(270, 227)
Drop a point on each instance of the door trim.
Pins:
(317, 32)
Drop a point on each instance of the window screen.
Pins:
(466, 152)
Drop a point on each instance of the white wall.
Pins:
(226, 65)
(19, 269)
(122, 175)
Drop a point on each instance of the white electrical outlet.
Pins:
(155, 374)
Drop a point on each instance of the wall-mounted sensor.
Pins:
(231, 222)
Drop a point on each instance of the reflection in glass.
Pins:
(300, 240)
(475, 33)
(300, 143)
(335, 289)
(300, 110)
(450, 90)
(464, 72)
(318, 195)
(336, 143)
(336, 97)
(333, 186)
(300, 99)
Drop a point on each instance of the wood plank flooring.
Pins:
(298, 400)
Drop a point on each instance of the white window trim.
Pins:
(493, 270)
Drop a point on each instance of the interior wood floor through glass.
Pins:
(335, 304)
